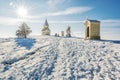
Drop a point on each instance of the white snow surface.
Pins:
(58, 58)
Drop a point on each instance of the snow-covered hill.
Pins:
(56, 58)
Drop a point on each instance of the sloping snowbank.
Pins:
(56, 58)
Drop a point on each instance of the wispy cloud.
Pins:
(53, 3)
(8, 21)
(16, 21)
(69, 11)
(66, 22)
(110, 22)
(65, 12)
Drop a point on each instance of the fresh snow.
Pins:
(58, 58)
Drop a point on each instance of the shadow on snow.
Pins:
(25, 42)
(112, 41)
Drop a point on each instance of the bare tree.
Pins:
(23, 31)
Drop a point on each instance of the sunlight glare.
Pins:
(22, 12)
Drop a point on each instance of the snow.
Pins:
(58, 58)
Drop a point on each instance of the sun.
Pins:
(22, 12)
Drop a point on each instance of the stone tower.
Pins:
(92, 29)
(46, 30)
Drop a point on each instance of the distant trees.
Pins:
(57, 35)
(23, 31)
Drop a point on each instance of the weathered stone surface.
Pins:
(92, 30)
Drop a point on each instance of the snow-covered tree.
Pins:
(68, 31)
(18, 33)
(23, 31)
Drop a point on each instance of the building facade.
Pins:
(92, 29)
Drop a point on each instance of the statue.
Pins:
(68, 31)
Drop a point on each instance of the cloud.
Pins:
(53, 3)
(110, 22)
(69, 11)
(8, 21)
(15, 21)
(63, 22)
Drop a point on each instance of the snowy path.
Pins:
(53, 58)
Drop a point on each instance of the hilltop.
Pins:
(57, 58)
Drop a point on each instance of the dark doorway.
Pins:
(87, 31)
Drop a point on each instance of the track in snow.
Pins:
(65, 59)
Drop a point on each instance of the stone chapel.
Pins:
(92, 29)
(45, 29)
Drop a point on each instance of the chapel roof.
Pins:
(93, 20)
(46, 23)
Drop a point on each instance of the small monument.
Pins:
(68, 31)
(62, 33)
(92, 29)
(46, 30)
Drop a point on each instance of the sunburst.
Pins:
(22, 11)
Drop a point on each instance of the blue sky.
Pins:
(60, 14)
